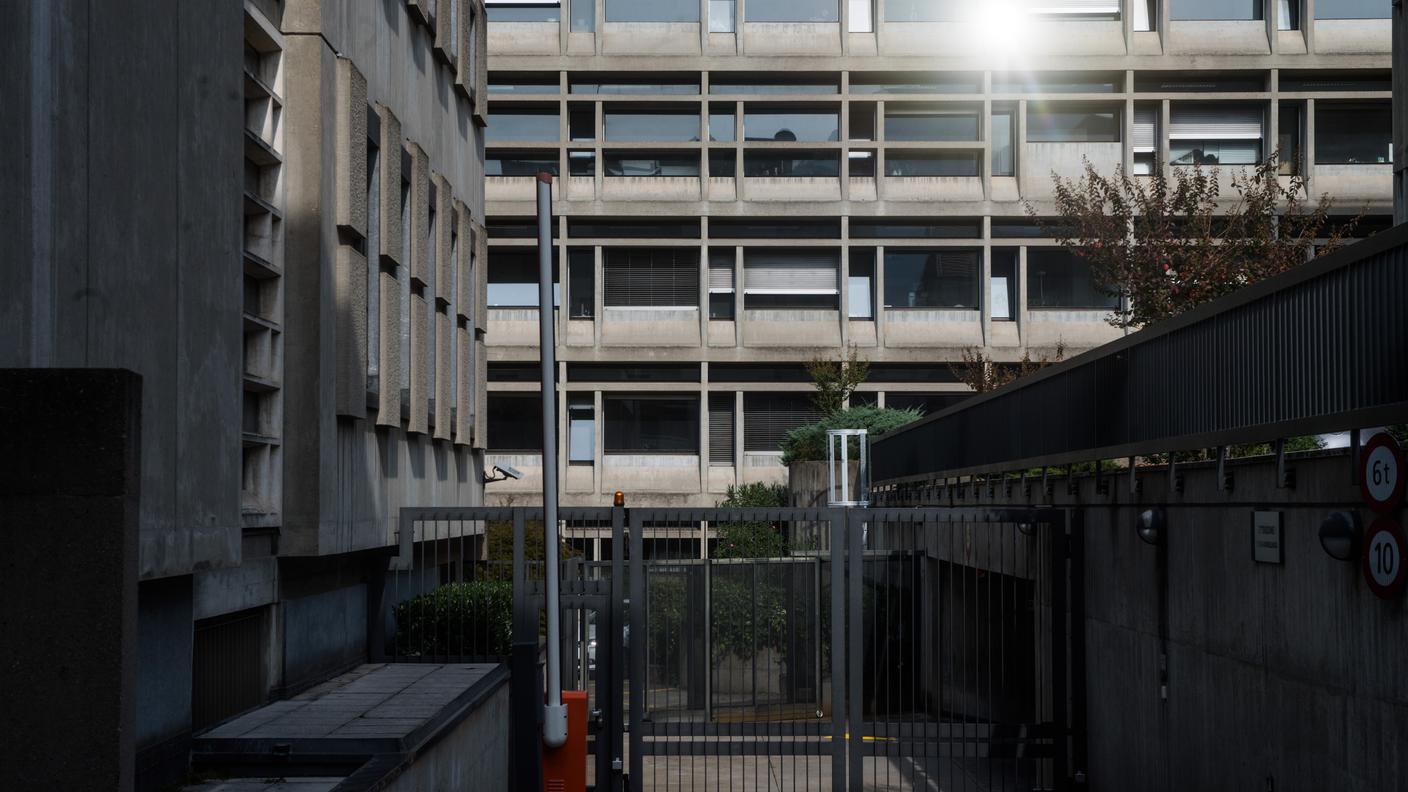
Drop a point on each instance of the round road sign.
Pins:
(1383, 557)
(1381, 472)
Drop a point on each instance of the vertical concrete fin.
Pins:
(350, 150)
(390, 177)
(351, 332)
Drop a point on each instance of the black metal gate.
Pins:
(760, 649)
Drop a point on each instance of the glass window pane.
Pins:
(773, 83)
(1354, 134)
(768, 417)
(581, 283)
(862, 17)
(862, 164)
(581, 122)
(651, 424)
(906, 162)
(722, 163)
(651, 278)
(1288, 139)
(519, 162)
(775, 228)
(1003, 286)
(584, 15)
(513, 278)
(1072, 125)
(1057, 82)
(581, 429)
(792, 11)
(651, 163)
(792, 163)
(632, 372)
(1004, 163)
(931, 278)
(1214, 152)
(581, 163)
(1353, 9)
(631, 84)
(1057, 278)
(522, 124)
(652, 10)
(1215, 9)
(770, 124)
(915, 82)
(721, 16)
(662, 228)
(922, 10)
(524, 13)
(916, 228)
(632, 125)
(721, 123)
(515, 422)
(860, 300)
(941, 125)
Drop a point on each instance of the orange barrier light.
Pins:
(565, 767)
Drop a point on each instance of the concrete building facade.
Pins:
(273, 212)
(744, 186)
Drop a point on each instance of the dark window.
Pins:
(957, 125)
(515, 228)
(914, 82)
(862, 121)
(927, 403)
(1353, 134)
(768, 417)
(633, 372)
(1328, 81)
(1353, 9)
(723, 163)
(721, 429)
(758, 372)
(1066, 124)
(721, 283)
(861, 164)
(911, 372)
(634, 125)
(514, 372)
(790, 163)
(775, 228)
(630, 228)
(916, 228)
(923, 10)
(651, 277)
(523, 13)
(513, 278)
(908, 162)
(519, 162)
(1216, 9)
(651, 424)
(581, 163)
(1004, 132)
(787, 124)
(642, 162)
(581, 283)
(1209, 81)
(652, 11)
(1058, 82)
(792, 11)
(581, 122)
(1057, 278)
(931, 278)
(634, 84)
(1289, 137)
(521, 83)
(1004, 284)
(515, 422)
(522, 123)
(773, 83)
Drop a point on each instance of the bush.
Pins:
(808, 443)
(751, 539)
(473, 619)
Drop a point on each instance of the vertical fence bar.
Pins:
(1077, 639)
(636, 646)
(1059, 689)
(855, 567)
(838, 650)
(525, 687)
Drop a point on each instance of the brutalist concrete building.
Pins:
(273, 212)
(742, 186)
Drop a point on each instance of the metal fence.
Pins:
(770, 649)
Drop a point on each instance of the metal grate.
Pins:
(227, 667)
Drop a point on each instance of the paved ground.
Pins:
(321, 784)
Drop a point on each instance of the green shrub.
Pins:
(473, 619)
(808, 443)
(751, 539)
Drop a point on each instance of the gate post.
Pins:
(636, 647)
(525, 686)
(855, 665)
(838, 649)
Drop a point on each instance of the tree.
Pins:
(755, 539)
(836, 380)
(807, 443)
(1171, 244)
(982, 374)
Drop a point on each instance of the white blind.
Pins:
(790, 272)
(720, 276)
(1146, 128)
(1229, 122)
(1074, 7)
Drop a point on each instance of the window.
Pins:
(581, 428)
(923, 10)
(514, 372)
(721, 16)
(595, 83)
(1004, 131)
(1289, 150)
(515, 422)
(911, 372)
(1221, 134)
(774, 84)
(633, 372)
(927, 403)
(1072, 124)
(651, 278)
(1057, 82)
(916, 228)
(632, 125)
(862, 121)
(631, 228)
(1353, 9)
(1058, 278)
(793, 11)
(1353, 134)
(860, 284)
(637, 162)
(1287, 14)
(1220, 81)
(790, 278)
(1003, 284)
(1144, 13)
(583, 15)
(581, 121)
(1215, 9)
(581, 283)
(768, 417)
(758, 372)
(1323, 80)
(723, 163)
(721, 429)
(513, 278)
(908, 162)
(862, 164)
(957, 124)
(520, 83)
(931, 278)
(775, 228)
(522, 124)
(519, 162)
(651, 424)
(783, 163)
(721, 123)
(652, 11)
(515, 228)
(1145, 146)
(721, 288)
(765, 123)
(581, 163)
(861, 18)
(915, 82)
(522, 12)
(373, 243)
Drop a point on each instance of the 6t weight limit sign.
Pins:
(1381, 473)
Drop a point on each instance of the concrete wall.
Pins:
(122, 212)
(473, 756)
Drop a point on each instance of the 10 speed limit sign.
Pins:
(1383, 557)
(1381, 473)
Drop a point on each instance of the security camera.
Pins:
(503, 473)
